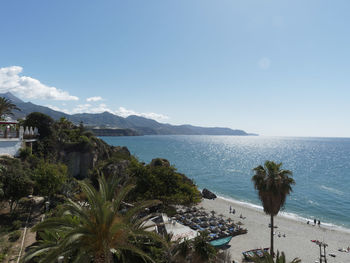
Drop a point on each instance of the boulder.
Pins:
(160, 162)
(207, 194)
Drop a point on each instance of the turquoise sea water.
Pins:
(321, 168)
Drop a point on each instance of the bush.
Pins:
(17, 224)
(25, 203)
(14, 236)
(170, 211)
(25, 153)
(49, 178)
(163, 183)
(4, 249)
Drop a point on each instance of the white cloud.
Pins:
(57, 108)
(97, 98)
(264, 63)
(150, 115)
(27, 87)
(88, 108)
(123, 112)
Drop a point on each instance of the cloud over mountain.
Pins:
(97, 98)
(150, 115)
(28, 87)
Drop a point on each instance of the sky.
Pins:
(272, 67)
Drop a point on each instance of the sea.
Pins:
(223, 164)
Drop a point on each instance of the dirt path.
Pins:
(30, 236)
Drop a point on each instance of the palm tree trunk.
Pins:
(103, 257)
(271, 241)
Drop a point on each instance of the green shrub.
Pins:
(163, 183)
(15, 235)
(2, 256)
(49, 178)
(25, 202)
(170, 211)
(17, 224)
(25, 153)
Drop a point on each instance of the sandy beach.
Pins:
(298, 234)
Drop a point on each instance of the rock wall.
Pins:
(78, 163)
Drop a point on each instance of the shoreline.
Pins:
(298, 234)
(287, 215)
(290, 215)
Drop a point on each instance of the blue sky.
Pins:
(266, 66)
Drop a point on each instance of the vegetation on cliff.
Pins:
(99, 231)
(163, 182)
(64, 153)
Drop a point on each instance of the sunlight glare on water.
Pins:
(321, 167)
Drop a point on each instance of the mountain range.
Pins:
(134, 125)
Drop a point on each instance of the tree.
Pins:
(279, 259)
(15, 181)
(42, 121)
(163, 183)
(98, 230)
(203, 250)
(6, 107)
(49, 178)
(273, 185)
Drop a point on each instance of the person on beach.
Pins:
(319, 222)
(314, 221)
(230, 209)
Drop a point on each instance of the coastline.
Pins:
(287, 215)
(298, 234)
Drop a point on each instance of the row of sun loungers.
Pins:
(201, 221)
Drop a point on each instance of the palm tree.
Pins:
(279, 259)
(203, 251)
(178, 250)
(97, 231)
(6, 107)
(273, 185)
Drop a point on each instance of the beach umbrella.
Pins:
(212, 213)
(212, 223)
(189, 215)
(195, 219)
(223, 228)
(222, 234)
(204, 218)
(194, 209)
(204, 224)
(180, 211)
(186, 222)
(221, 215)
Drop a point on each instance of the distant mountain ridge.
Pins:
(107, 120)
